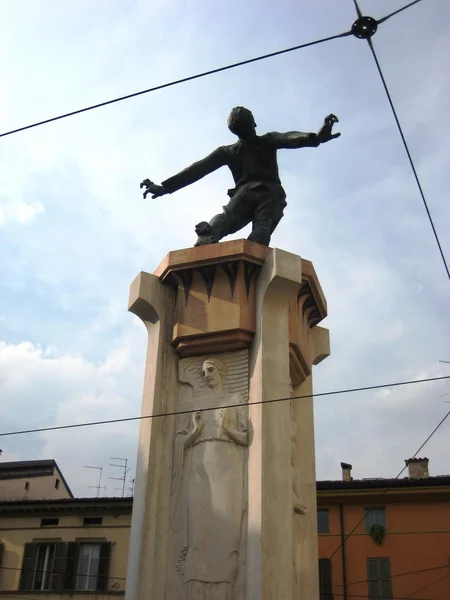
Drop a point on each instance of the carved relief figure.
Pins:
(208, 490)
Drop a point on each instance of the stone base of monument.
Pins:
(225, 497)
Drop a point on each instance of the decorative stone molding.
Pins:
(215, 295)
(308, 345)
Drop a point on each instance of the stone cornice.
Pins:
(68, 507)
(381, 497)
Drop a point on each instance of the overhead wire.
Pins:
(198, 75)
(218, 70)
(234, 405)
(396, 12)
(390, 597)
(52, 572)
(387, 489)
(426, 586)
(400, 129)
(177, 82)
(404, 574)
(410, 159)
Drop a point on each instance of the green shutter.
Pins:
(71, 564)
(28, 566)
(385, 581)
(372, 577)
(2, 548)
(325, 579)
(58, 566)
(379, 578)
(103, 566)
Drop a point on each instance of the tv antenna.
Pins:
(124, 466)
(97, 487)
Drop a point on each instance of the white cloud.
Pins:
(76, 231)
(40, 387)
(20, 212)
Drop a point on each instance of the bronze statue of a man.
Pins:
(258, 196)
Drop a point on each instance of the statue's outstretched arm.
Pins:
(189, 175)
(297, 139)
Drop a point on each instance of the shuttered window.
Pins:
(2, 548)
(28, 567)
(70, 571)
(374, 516)
(379, 578)
(65, 566)
(87, 566)
(325, 579)
(59, 564)
(323, 522)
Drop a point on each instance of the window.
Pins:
(27, 485)
(69, 566)
(88, 560)
(57, 484)
(92, 521)
(323, 525)
(49, 522)
(374, 516)
(379, 578)
(42, 563)
(43, 567)
(325, 580)
(87, 566)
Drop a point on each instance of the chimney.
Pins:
(346, 472)
(417, 468)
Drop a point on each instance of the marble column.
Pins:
(225, 501)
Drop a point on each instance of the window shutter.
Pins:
(385, 581)
(28, 565)
(2, 547)
(372, 576)
(58, 566)
(103, 566)
(325, 579)
(71, 564)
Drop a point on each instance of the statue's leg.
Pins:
(236, 215)
(268, 213)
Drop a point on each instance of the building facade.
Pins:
(379, 539)
(385, 538)
(31, 480)
(71, 547)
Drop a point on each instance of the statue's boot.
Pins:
(262, 231)
(205, 234)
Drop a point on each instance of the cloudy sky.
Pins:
(75, 230)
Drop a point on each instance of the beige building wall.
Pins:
(38, 488)
(18, 530)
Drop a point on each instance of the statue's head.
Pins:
(213, 372)
(241, 122)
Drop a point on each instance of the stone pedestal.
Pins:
(225, 498)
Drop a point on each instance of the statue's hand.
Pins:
(220, 417)
(325, 134)
(152, 188)
(197, 420)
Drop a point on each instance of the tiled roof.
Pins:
(404, 482)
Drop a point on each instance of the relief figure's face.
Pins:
(211, 375)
